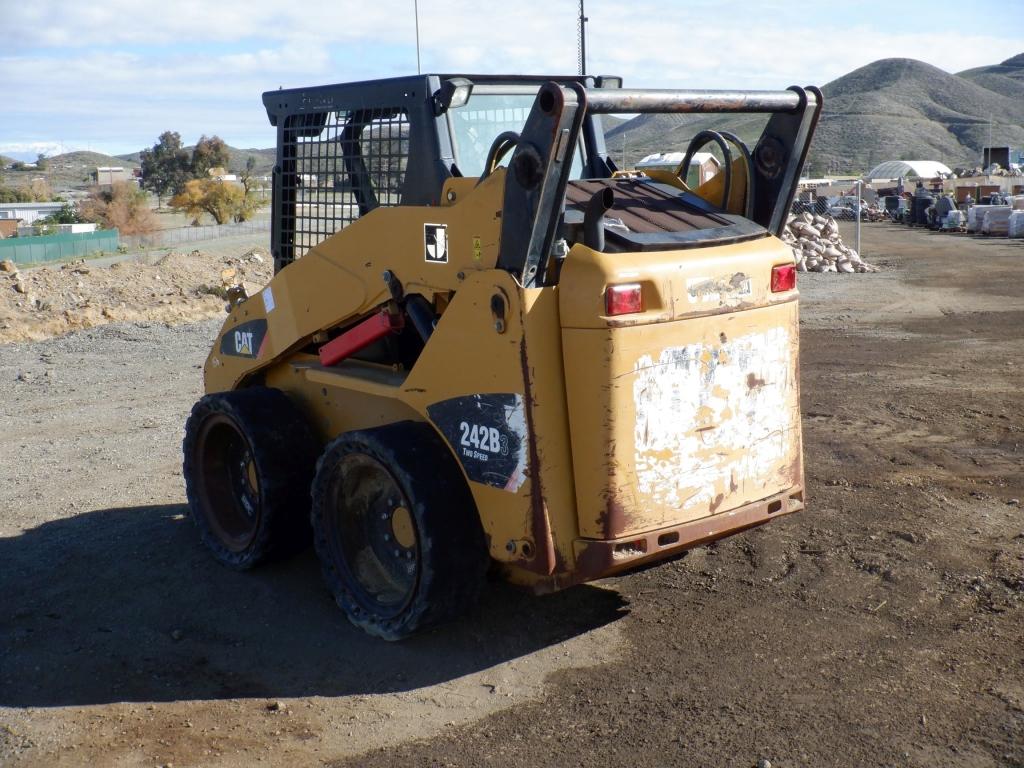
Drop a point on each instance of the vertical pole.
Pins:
(859, 183)
(416, 13)
(583, 41)
(989, 140)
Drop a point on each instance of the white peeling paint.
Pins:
(726, 290)
(515, 418)
(715, 420)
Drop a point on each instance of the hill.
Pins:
(889, 109)
(66, 172)
(1006, 78)
(89, 160)
(265, 159)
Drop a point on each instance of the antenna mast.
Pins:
(581, 49)
(416, 13)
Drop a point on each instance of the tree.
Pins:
(124, 207)
(209, 153)
(40, 191)
(41, 161)
(222, 200)
(18, 165)
(246, 177)
(9, 195)
(166, 167)
(48, 225)
(66, 215)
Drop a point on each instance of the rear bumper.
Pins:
(598, 558)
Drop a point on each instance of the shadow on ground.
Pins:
(125, 605)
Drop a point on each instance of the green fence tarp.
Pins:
(32, 250)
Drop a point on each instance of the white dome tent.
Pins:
(909, 169)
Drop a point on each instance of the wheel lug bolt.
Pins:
(387, 537)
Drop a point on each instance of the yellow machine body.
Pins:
(636, 436)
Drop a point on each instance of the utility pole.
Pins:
(859, 193)
(416, 14)
(582, 49)
(989, 143)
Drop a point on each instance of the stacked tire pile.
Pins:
(817, 246)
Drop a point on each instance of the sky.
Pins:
(111, 76)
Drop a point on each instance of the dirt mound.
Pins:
(51, 301)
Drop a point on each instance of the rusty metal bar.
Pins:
(613, 100)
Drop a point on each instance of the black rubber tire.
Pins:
(450, 552)
(259, 513)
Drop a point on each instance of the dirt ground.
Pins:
(170, 286)
(882, 626)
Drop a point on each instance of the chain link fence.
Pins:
(168, 238)
(840, 208)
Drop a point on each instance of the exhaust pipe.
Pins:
(593, 218)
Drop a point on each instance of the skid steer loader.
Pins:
(484, 345)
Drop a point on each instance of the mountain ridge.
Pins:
(890, 109)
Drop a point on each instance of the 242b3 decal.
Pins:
(482, 438)
(488, 435)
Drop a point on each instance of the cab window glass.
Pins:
(477, 123)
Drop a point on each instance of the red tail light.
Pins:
(625, 299)
(783, 278)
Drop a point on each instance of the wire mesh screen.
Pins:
(335, 167)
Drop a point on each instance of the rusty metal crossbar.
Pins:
(618, 100)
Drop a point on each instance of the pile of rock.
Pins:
(817, 246)
(17, 281)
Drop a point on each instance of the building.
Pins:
(58, 229)
(219, 173)
(908, 169)
(28, 212)
(703, 165)
(9, 228)
(107, 176)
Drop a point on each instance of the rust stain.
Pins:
(596, 558)
(545, 560)
(614, 517)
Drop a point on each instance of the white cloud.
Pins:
(47, 148)
(117, 73)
